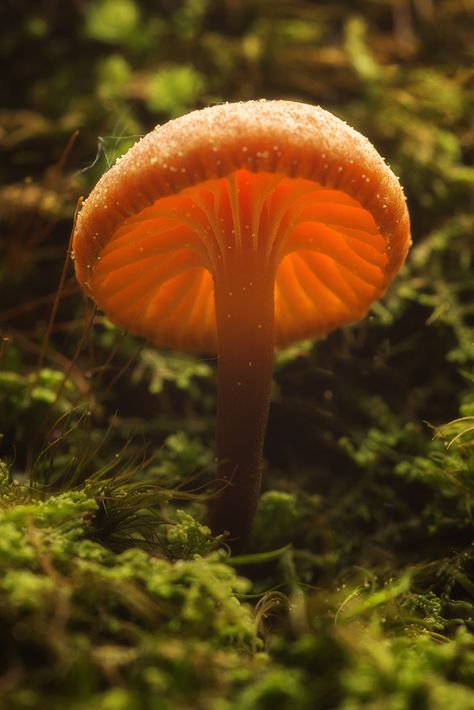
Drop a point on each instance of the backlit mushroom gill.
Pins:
(245, 238)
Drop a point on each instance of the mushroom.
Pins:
(236, 229)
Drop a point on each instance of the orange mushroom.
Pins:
(237, 229)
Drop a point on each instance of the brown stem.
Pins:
(245, 315)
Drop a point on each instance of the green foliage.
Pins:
(159, 367)
(183, 457)
(42, 387)
(188, 537)
(405, 674)
(113, 21)
(173, 90)
(82, 606)
(276, 506)
(113, 76)
(358, 50)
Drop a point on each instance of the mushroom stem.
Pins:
(245, 336)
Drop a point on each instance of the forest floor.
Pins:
(357, 586)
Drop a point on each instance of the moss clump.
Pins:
(75, 615)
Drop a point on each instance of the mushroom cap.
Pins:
(281, 184)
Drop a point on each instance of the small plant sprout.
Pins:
(237, 229)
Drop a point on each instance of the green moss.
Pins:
(113, 22)
(174, 89)
(83, 604)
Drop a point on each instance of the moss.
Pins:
(80, 608)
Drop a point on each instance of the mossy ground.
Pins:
(357, 590)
